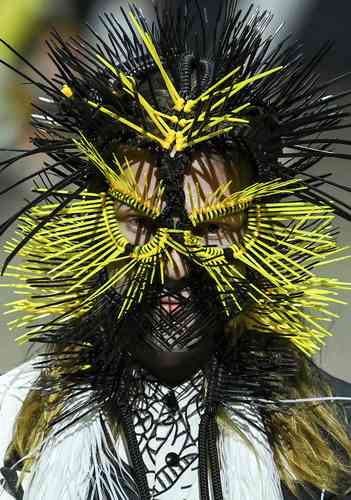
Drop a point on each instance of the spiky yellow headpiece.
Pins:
(67, 244)
(192, 122)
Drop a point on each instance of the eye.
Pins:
(213, 228)
(207, 229)
(142, 223)
(138, 229)
(220, 234)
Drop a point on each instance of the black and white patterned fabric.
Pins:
(167, 424)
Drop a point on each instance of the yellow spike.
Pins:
(126, 122)
(209, 136)
(153, 114)
(67, 91)
(104, 262)
(241, 85)
(176, 98)
(190, 195)
(205, 94)
(216, 120)
(332, 261)
(106, 64)
(92, 154)
(275, 256)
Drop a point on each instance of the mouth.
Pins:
(169, 306)
(173, 302)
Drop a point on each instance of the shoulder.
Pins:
(340, 387)
(14, 387)
(342, 390)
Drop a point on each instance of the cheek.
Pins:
(128, 230)
(137, 232)
(224, 233)
(237, 222)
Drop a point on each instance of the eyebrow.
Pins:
(133, 200)
(126, 210)
(216, 205)
(213, 213)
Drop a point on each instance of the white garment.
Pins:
(14, 387)
(162, 433)
(63, 472)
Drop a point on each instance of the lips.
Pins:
(172, 301)
(170, 304)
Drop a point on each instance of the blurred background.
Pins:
(26, 24)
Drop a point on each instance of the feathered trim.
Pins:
(83, 461)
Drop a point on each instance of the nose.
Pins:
(175, 266)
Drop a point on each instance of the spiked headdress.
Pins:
(170, 90)
(236, 91)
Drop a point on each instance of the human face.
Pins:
(206, 173)
(181, 322)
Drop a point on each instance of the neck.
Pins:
(173, 368)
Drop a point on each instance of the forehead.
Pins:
(205, 171)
